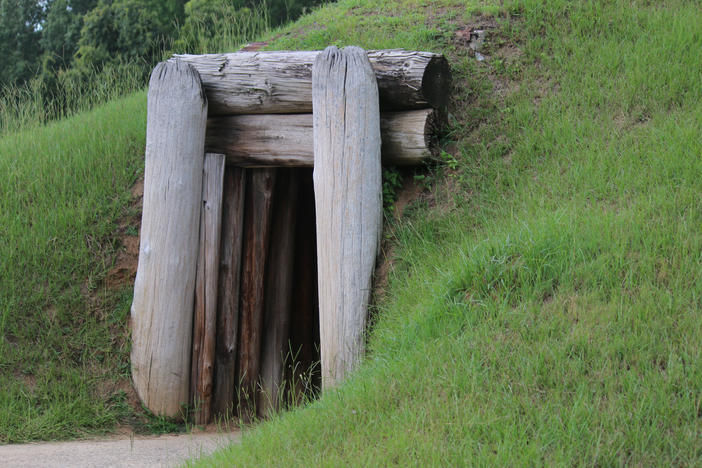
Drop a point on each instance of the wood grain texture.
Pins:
(278, 290)
(281, 82)
(408, 138)
(348, 195)
(257, 223)
(206, 281)
(162, 309)
(224, 401)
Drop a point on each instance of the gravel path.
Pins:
(165, 450)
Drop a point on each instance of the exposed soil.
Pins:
(124, 271)
(406, 194)
(253, 46)
(119, 278)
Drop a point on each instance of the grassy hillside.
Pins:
(68, 231)
(544, 292)
(544, 296)
(64, 188)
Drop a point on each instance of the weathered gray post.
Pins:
(348, 198)
(162, 311)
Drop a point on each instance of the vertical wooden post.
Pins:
(348, 195)
(259, 204)
(228, 291)
(162, 310)
(205, 319)
(278, 290)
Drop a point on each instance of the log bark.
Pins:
(281, 82)
(205, 320)
(348, 194)
(278, 291)
(162, 309)
(408, 138)
(258, 211)
(224, 401)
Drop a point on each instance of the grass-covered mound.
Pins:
(543, 304)
(69, 223)
(64, 188)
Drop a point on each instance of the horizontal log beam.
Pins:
(408, 138)
(281, 82)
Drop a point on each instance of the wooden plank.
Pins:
(205, 320)
(162, 309)
(408, 138)
(278, 290)
(281, 82)
(257, 223)
(224, 401)
(348, 195)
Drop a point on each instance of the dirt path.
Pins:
(166, 450)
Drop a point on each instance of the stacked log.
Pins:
(281, 82)
(256, 333)
(408, 138)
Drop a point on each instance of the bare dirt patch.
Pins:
(124, 270)
(253, 46)
(409, 192)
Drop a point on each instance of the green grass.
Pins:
(65, 203)
(27, 106)
(63, 348)
(543, 307)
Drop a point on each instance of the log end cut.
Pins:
(436, 82)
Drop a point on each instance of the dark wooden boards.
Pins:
(278, 290)
(224, 400)
(205, 319)
(258, 214)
